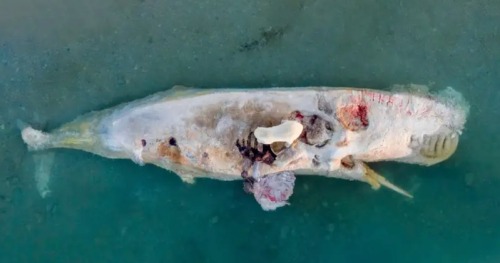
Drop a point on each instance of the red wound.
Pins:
(354, 117)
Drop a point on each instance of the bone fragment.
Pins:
(288, 132)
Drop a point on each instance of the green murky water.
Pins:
(59, 59)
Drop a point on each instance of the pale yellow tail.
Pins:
(72, 135)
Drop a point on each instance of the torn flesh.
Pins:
(273, 190)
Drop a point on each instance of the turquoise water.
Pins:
(60, 59)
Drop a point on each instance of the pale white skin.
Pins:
(206, 124)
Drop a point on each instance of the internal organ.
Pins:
(353, 117)
(317, 131)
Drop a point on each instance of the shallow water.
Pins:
(59, 59)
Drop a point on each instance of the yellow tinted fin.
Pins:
(376, 180)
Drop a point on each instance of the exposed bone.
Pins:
(288, 132)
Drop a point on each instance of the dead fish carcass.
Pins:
(267, 136)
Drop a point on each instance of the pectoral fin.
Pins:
(186, 176)
(376, 180)
(439, 147)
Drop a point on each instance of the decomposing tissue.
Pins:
(266, 137)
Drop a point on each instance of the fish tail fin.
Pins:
(73, 135)
(38, 140)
